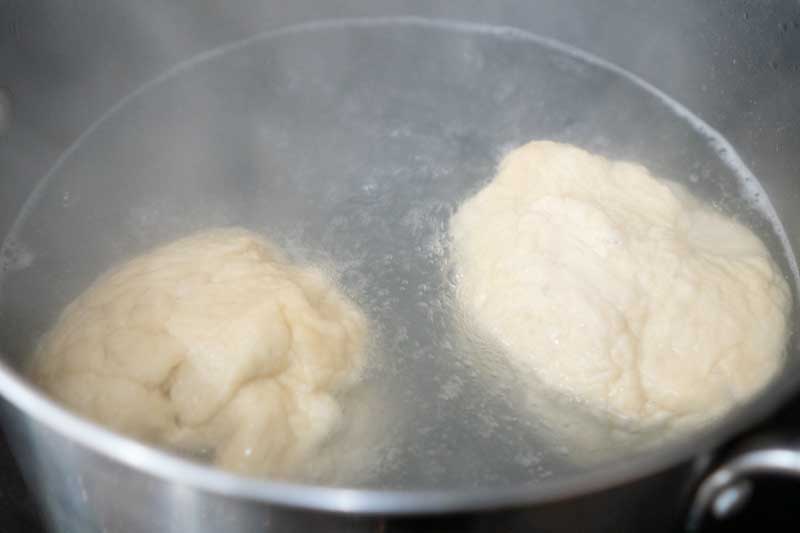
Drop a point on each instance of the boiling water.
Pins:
(351, 143)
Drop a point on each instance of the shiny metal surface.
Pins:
(726, 488)
(735, 72)
(86, 492)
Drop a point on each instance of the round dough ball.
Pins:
(213, 344)
(617, 289)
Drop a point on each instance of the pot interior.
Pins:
(351, 144)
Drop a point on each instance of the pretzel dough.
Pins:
(214, 345)
(617, 289)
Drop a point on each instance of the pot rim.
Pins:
(170, 467)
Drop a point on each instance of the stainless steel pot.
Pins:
(95, 96)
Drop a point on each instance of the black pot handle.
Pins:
(727, 487)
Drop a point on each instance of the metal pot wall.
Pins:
(65, 65)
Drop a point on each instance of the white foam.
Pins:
(15, 256)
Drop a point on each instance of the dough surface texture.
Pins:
(212, 345)
(617, 289)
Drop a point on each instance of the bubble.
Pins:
(451, 389)
(15, 256)
(68, 200)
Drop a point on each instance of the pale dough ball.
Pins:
(213, 344)
(618, 289)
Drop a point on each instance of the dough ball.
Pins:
(617, 289)
(213, 344)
